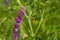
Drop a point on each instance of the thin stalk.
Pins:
(39, 23)
(19, 2)
(26, 15)
(29, 20)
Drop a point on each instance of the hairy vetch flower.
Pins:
(17, 22)
(15, 30)
(21, 12)
(15, 26)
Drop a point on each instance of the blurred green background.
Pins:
(41, 22)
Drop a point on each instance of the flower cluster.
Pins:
(18, 20)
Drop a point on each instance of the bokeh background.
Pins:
(41, 15)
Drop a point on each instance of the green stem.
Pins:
(26, 15)
(19, 2)
(29, 20)
(39, 23)
(30, 26)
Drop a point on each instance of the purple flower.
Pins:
(15, 34)
(15, 30)
(6, 2)
(15, 25)
(18, 20)
(21, 12)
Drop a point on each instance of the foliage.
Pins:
(41, 20)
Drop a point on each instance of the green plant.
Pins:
(41, 20)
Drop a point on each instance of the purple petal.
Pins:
(18, 20)
(15, 25)
(15, 31)
(21, 12)
(15, 35)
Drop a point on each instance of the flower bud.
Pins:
(21, 12)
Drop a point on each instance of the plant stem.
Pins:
(19, 2)
(26, 15)
(29, 20)
(39, 23)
